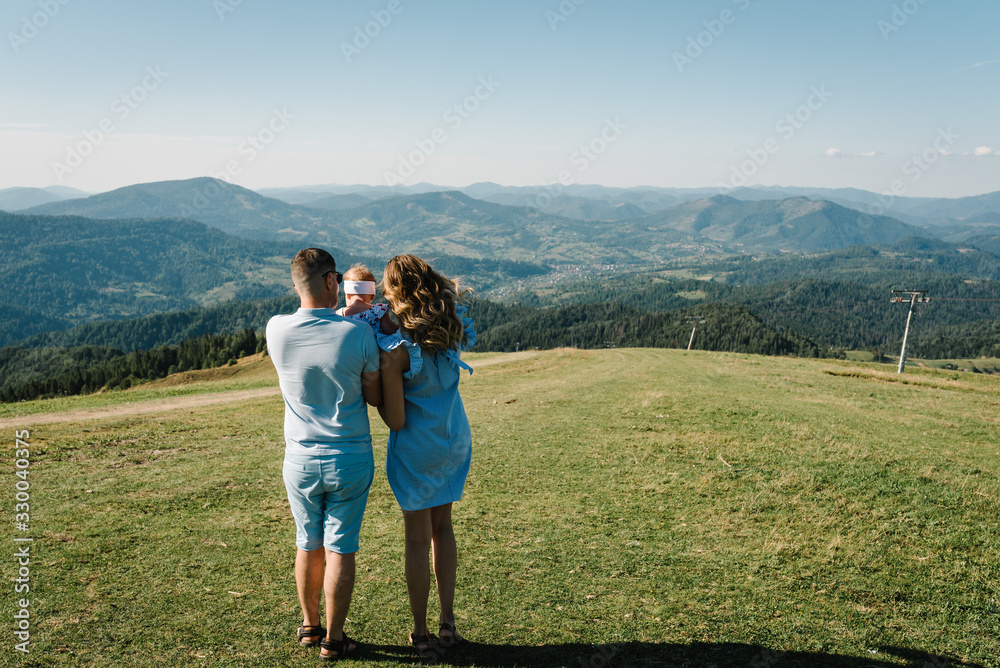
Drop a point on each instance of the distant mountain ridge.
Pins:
(223, 205)
(800, 224)
(456, 224)
(17, 199)
(554, 198)
(453, 223)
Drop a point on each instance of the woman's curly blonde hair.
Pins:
(424, 301)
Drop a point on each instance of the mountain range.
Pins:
(605, 201)
(604, 231)
(16, 199)
(211, 201)
(158, 247)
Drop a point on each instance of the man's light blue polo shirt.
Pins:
(320, 357)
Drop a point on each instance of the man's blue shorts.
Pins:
(328, 495)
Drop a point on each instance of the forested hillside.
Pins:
(211, 201)
(142, 284)
(76, 270)
(614, 325)
(799, 224)
(163, 329)
(45, 372)
(839, 299)
(971, 339)
(64, 270)
(905, 260)
(89, 358)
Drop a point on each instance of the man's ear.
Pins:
(296, 289)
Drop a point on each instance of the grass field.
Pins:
(624, 508)
(966, 364)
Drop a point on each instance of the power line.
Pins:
(963, 299)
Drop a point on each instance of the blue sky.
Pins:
(264, 94)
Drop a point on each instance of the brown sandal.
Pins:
(342, 648)
(304, 632)
(449, 640)
(424, 645)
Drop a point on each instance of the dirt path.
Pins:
(138, 408)
(503, 358)
(183, 403)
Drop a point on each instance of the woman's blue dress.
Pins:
(428, 460)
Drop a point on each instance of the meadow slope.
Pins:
(625, 507)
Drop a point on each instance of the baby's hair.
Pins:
(359, 272)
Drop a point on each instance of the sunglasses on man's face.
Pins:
(340, 276)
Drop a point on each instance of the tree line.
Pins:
(804, 317)
(47, 372)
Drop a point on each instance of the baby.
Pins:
(359, 292)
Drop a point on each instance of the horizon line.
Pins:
(443, 188)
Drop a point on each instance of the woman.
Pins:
(430, 443)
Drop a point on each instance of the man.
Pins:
(328, 368)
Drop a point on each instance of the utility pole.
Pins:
(696, 320)
(910, 297)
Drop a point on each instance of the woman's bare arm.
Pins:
(387, 324)
(392, 409)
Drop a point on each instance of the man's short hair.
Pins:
(308, 267)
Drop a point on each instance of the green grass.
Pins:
(966, 364)
(247, 374)
(625, 507)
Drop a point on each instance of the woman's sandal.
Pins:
(342, 648)
(304, 632)
(424, 645)
(451, 639)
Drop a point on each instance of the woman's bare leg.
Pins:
(418, 531)
(445, 566)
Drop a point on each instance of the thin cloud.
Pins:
(21, 125)
(837, 153)
(982, 64)
(980, 152)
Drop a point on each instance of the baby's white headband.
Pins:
(359, 287)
